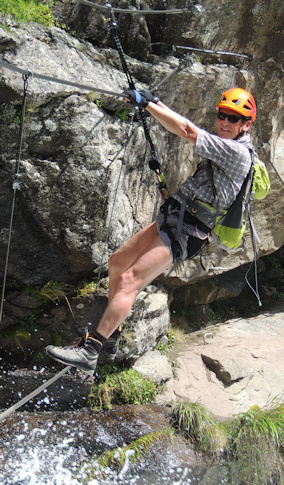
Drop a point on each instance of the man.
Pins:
(225, 164)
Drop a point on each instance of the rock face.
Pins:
(241, 366)
(83, 187)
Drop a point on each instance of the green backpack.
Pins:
(231, 226)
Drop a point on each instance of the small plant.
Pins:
(99, 103)
(119, 385)
(86, 288)
(56, 292)
(21, 336)
(165, 347)
(122, 114)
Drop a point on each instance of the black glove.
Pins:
(149, 96)
(140, 98)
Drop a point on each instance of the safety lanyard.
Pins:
(154, 162)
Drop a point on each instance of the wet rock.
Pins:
(35, 446)
(69, 392)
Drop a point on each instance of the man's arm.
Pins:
(169, 119)
(173, 122)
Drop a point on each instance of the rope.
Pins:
(140, 12)
(34, 393)
(16, 186)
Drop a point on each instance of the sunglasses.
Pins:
(231, 118)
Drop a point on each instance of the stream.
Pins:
(54, 438)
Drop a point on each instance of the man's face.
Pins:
(228, 130)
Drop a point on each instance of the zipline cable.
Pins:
(34, 393)
(59, 81)
(197, 7)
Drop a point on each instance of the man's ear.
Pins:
(246, 125)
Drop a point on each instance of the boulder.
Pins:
(240, 367)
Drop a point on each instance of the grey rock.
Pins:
(154, 366)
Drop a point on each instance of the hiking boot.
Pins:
(83, 356)
(110, 347)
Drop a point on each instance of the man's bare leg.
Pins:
(150, 263)
(124, 257)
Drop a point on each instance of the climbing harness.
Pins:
(16, 185)
(154, 162)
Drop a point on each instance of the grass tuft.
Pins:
(118, 385)
(257, 441)
(253, 440)
(205, 433)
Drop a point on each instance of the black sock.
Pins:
(96, 339)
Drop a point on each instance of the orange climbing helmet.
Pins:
(240, 101)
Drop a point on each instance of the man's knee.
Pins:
(114, 262)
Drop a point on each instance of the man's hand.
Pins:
(149, 96)
(141, 99)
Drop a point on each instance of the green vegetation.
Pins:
(205, 433)
(120, 385)
(139, 448)
(122, 114)
(116, 458)
(254, 440)
(24, 11)
(21, 333)
(56, 292)
(134, 451)
(257, 440)
(86, 289)
(252, 443)
(165, 347)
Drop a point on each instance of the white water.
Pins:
(33, 456)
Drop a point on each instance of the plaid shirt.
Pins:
(230, 161)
